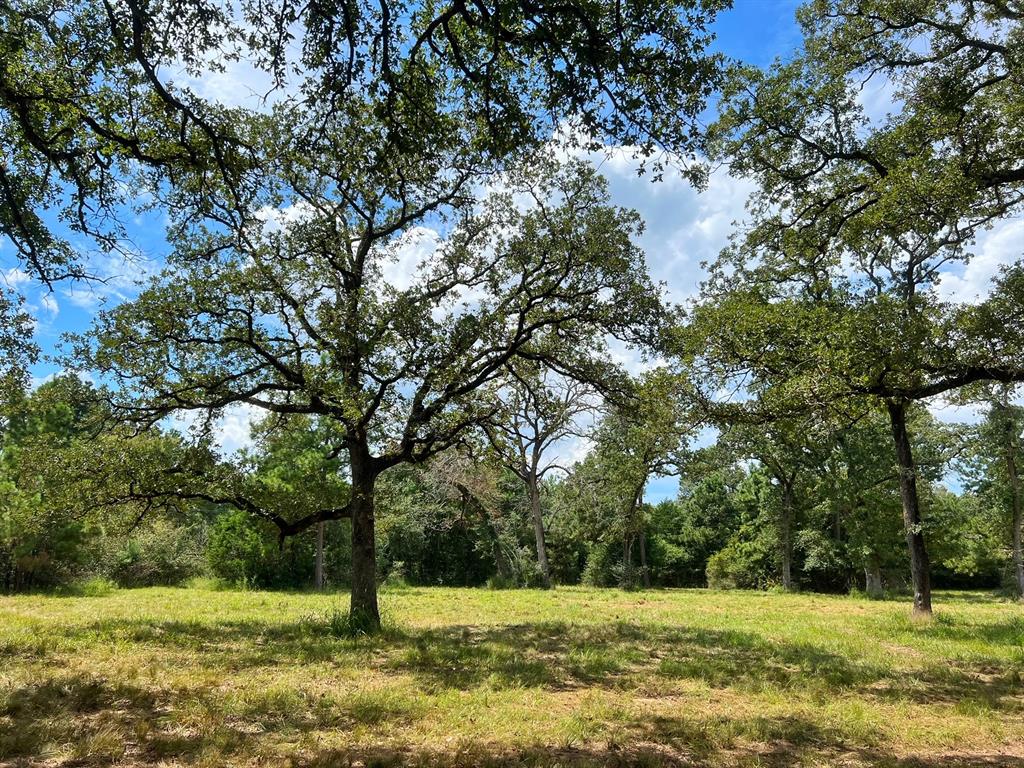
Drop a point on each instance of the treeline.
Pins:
(796, 506)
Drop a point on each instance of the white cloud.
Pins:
(240, 84)
(119, 279)
(37, 381)
(996, 248)
(414, 249)
(878, 98)
(234, 428)
(231, 432)
(967, 413)
(683, 226)
(49, 303)
(14, 277)
(952, 413)
(280, 219)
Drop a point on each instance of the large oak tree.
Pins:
(303, 319)
(380, 116)
(832, 291)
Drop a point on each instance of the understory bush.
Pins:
(161, 554)
(245, 551)
(743, 563)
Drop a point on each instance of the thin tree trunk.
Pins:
(1018, 512)
(627, 561)
(319, 570)
(785, 535)
(919, 570)
(645, 574)
(538, 530)
(636, 523)
(500, 558)
(873, 577)
(364, 609)
(501, 563)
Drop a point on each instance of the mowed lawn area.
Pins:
(464, 677)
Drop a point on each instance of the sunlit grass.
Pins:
(572, 677)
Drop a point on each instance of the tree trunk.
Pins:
(319, 570)
(785, 535)
(538, 530)
(627, 561)
(364, 611)
(501, 563)
(919, 570)
(1018, 512)
(645, 575)
(873, 578)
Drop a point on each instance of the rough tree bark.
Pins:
(645, 574)
(364, 611)
(627, 561)
(919, 569)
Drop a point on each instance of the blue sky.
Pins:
(684, 227)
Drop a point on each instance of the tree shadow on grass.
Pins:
(558, 656)
(94, 719)
(624, 656)
(647, 755)
(943, 597)
(89, 721)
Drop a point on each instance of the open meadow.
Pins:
(462, 677)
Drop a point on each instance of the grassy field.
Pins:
(574, 677)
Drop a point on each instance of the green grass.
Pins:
(573, 677)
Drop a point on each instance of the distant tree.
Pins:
(640, 437)
(539, 410)
(749, 557)
(700, 521)
(858, 500)
(299, 466)
(17, 351)
(790, 451)
(994, 469)
(472, 482)
(46, 522)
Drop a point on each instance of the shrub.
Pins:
(236, 550)
(396, 578)
(39, 546)
(501, 582)
(742, 564)
(94, 586)
(600, 569)
(247, 552)
(206, 583)
(162, 554)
